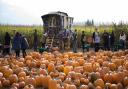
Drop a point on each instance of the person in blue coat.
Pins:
(17, 44)
(24, 45)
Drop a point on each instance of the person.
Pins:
(112, 39)
(106, 40)
(83, 39)
(44, 37)
(75, 41)
(7, 42)
(70, 38)
(96, 40)
(17, 44)
(35, 40)
(122, 39)
(65, 39)
(24, 45)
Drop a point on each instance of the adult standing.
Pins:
(83, 39)
(24, 45)
(7, 39)
(35, 42)
(96, 40)
(44, 37)
(112, 39)
(122, 39)
(106, 40)
(17, 44)
(75, 41)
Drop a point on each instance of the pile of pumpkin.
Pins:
(101, 70)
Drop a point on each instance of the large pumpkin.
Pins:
(52, 84)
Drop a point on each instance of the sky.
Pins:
(30, 11)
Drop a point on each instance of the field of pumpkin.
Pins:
(91, 70)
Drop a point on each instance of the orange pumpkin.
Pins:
(39, 80)
(112, 66)
(30, 81)
(67, 69)
(88, 67)
(8, 72)
(45, 81)
(51, 67)
(13, 78)
(52, 84)
(99, 82)
(71, 87)
(22, 74)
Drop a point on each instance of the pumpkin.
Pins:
(6, 83)
(13, 78)
(29, 87)
(81, 62)
(1, 75)
(113, 86)
(15, 85)
(99, 82)
(71, 87)
(28, 57)
(30, 81)
(22, 74)
(67, 69)
(51, 67)
(84, 87)
(77, 82)
(120, 86)
(125, 81)
(108, 78)
(42, 71)
(52, 84)
(21, 84)
(1, 84)
(45, 81)
(8, 72)
(84, 81)
(126, 65)
(107, 85)
(98, 87)
(88, 67)
(39, 80)
(112, 66)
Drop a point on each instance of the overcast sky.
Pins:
(30, 11)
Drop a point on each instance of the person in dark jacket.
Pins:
(35, 40)
(106, 40)
(7, 39)
(75, 41)
(83, 39)
(112, 39)
(24, 45)
(17, 44)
